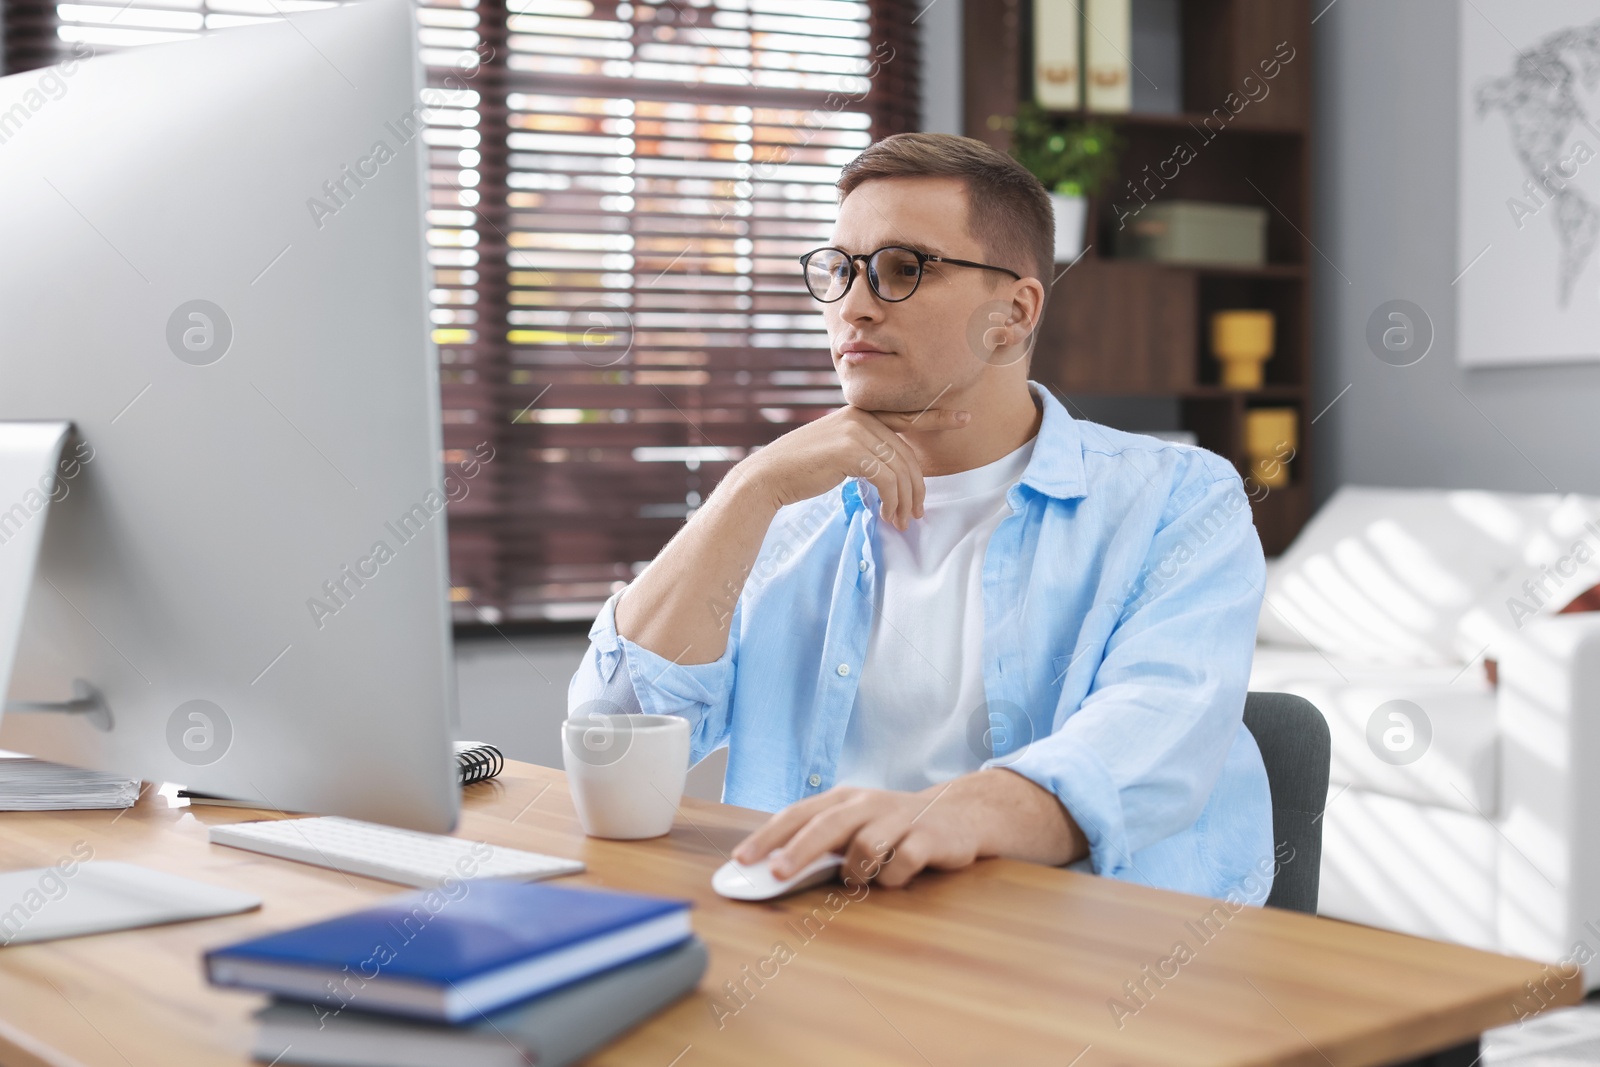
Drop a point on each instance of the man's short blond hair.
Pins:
(1008, 210)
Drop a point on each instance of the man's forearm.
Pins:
(1016, 818)
(682, 605)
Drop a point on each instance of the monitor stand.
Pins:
(30, 477)
(110, 896)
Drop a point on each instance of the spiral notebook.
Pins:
(476, 761)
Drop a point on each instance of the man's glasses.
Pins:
(893, 272)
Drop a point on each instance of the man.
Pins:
(947, 620)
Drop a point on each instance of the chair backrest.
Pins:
(1297, 750)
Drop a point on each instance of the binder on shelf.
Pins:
(1157, 57)
(1057, 69)
(1107, 47)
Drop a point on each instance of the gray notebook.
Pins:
(552, 1030)
(76, 897)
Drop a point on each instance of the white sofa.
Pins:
(1490, 835)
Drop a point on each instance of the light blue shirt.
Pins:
(1120, 606)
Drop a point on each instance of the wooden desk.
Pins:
(1004, 963)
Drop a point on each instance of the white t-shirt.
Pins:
(922, 682)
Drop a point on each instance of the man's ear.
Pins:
(1001, 330)
(1022, 318)
(1028, 301)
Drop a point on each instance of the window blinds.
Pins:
(618, 192)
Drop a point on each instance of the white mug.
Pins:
(626, 772)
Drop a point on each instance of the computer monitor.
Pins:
(213, 265)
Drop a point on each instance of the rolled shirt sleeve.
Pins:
(1137, 759)
(620, 676)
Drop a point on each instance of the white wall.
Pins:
(1385, 190)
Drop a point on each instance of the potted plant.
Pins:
(1073, 159)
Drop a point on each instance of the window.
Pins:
(618, 194)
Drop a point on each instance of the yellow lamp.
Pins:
(1271, 438)
(1242, 342)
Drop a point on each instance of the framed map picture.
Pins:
(1529, 232)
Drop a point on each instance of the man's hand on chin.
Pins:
(889, 836)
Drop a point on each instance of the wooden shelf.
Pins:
(1266, 392)
(1285, 271)
(1138, 328)
(1185, 120)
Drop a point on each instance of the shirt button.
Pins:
(844, 670)
(814, 781)
(862, 566)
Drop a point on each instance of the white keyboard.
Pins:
(385, 853)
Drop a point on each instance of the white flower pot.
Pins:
(1071, 216)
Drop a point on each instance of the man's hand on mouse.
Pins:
(991, 812)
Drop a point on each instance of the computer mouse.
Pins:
(754, 881)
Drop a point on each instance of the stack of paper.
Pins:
(28, 784)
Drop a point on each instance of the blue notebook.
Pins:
(429, 956)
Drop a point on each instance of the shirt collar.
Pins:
(1055, 469)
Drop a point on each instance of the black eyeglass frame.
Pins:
(864, 258)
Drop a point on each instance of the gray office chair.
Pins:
(1295, 746)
